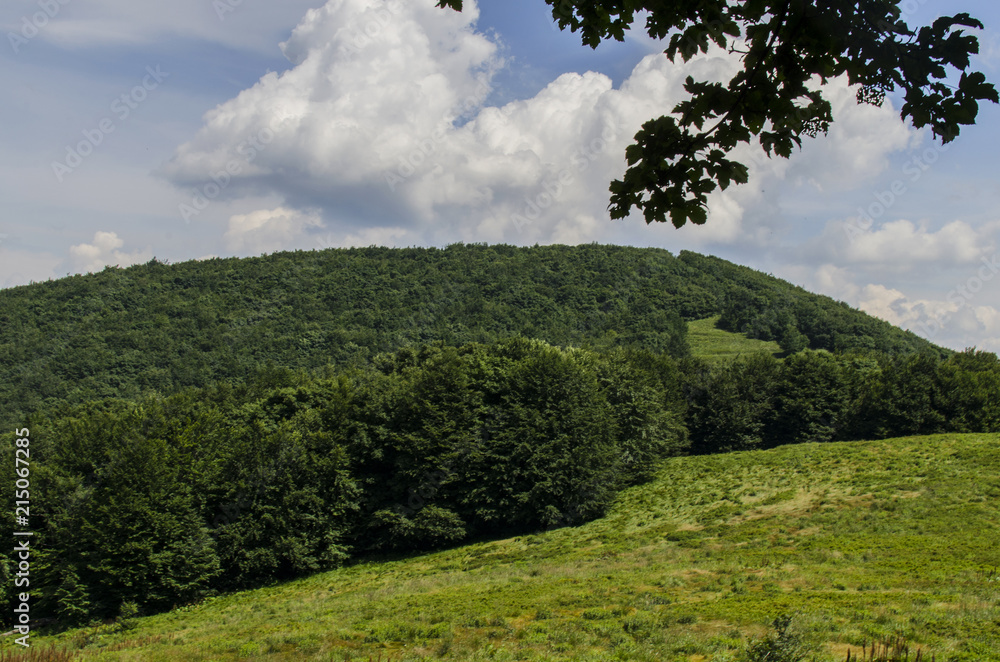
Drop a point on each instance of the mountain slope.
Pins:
(860, 540)
(163, 327)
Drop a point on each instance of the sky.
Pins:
(202, 128)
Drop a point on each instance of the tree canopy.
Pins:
(160, 328)
(786, 48)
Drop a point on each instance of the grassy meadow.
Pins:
(857, 541)
(714, 344)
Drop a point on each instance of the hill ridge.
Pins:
(164, 327)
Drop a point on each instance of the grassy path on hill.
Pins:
(713, 344)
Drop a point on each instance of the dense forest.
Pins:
(220, 425)
(160, 328)
(164, 500)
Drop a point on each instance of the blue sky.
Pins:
(238, 127)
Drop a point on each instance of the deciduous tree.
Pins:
(786, 47)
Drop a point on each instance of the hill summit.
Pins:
(161, 327)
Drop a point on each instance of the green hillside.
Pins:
(207, 428)
(161, 501)
(857, 541)
(159, 327)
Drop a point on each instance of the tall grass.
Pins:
(48, 654)
(893, 649)
(862, 542)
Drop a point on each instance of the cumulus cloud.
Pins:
(956, 322)
(268, 230)
(896, 308)
(961, 309)
(382, 123)
(858, 143)
(104, 251)
(903, 244)
(372, 82)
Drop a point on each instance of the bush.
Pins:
(782, 645)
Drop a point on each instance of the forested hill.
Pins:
(163, 327)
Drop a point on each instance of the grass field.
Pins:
(858, 541)
(708, 342)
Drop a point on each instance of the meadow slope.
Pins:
(707, 341)
(859, 541)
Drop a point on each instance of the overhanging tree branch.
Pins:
(674, 163)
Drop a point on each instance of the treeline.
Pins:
(163, 328)
(165, 500)
(759, 402)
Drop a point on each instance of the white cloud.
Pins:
(380, 123)
(960, 310)
(21, 267)
(904, 244)
(831, 280)
(104, 251)
(268, 230)
(857, 145)
(386, 236)
(369, 83)
(896, 308)
(955, 322)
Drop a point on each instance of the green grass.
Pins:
(713, 344)
(859, 541)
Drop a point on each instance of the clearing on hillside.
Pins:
(711, 343)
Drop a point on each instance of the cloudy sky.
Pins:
(239, 127)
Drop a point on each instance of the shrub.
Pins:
(782, 645)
